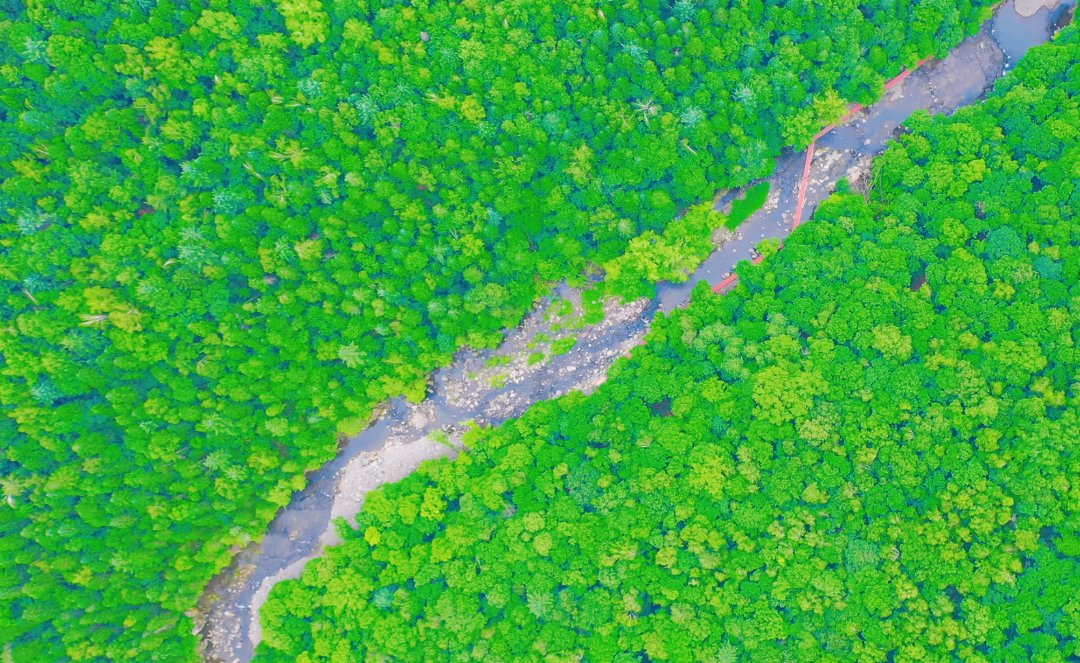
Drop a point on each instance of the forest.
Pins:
(229, 229)
(867, 452)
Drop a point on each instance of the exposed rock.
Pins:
(403, 435)
(1028, 8)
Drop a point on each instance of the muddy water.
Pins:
(486, 391)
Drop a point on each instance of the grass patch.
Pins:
(563, 345)
(742, 208)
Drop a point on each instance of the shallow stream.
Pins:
(488, 391)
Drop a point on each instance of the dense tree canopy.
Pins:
(868, 452)
(230, 228)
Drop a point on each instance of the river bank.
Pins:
(478, 389)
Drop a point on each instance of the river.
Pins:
(485, 389)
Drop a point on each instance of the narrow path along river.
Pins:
(488, 391)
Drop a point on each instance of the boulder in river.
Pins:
(1028, 8)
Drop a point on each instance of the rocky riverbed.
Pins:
(487, 388)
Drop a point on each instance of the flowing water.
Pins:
(1017, 35)
(488, 391)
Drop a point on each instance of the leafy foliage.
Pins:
(867, 452)
(230, 228)
(752, 201)
(670, 256)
